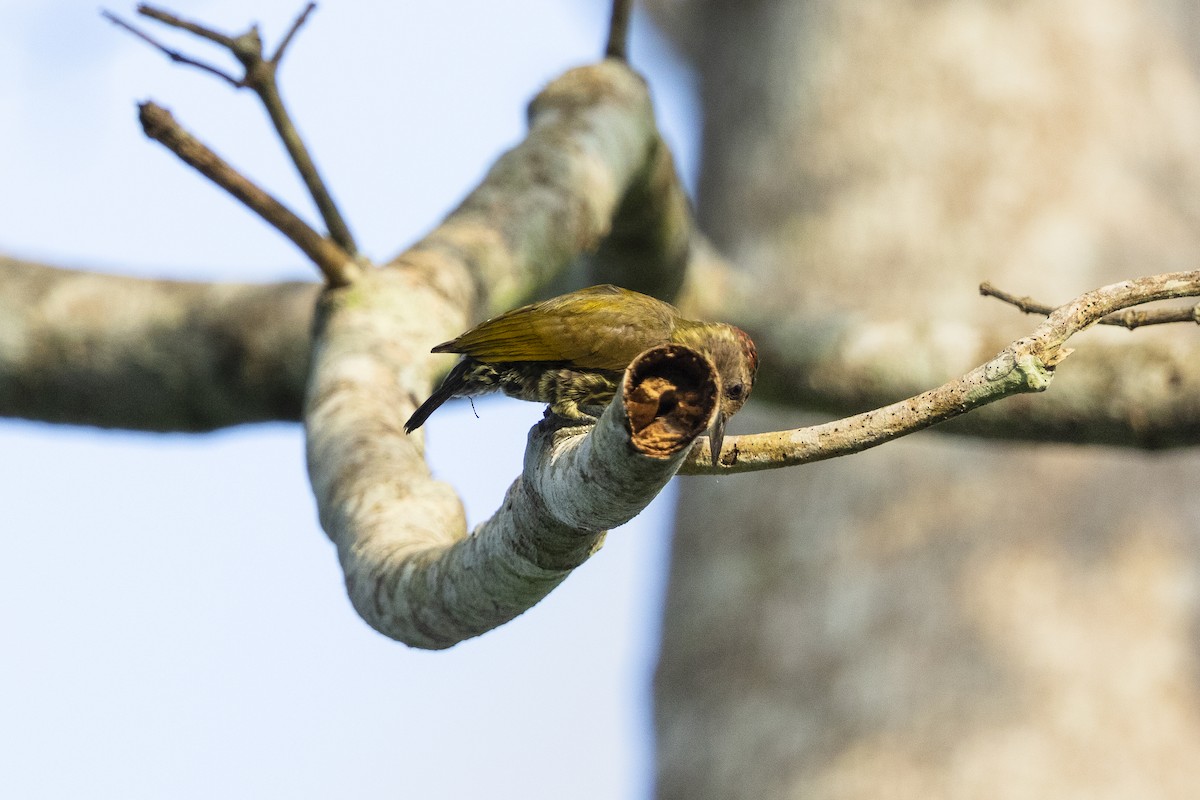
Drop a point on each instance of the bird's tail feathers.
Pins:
(451, 386)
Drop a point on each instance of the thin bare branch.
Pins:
(1026, 365)
(287, 37)
(260, 76)
(618, 30)
(174, 55)
(267, 88)
(338, 266)
(204, 32)
(1129, 318)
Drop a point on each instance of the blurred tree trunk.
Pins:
(939, 617)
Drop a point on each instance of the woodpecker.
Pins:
(571, 351)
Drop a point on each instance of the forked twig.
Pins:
(174, 55)
(260, 77)
(1129, 318)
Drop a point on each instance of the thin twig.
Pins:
(1129, 318)
(338, 267)
(174, 55)
(618, 30)
(1026, 365)
(204, 32)
(262, 81)
(261, 77)
(287, 37)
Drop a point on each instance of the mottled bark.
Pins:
(940, 618)
(412, 571)
(85, 348)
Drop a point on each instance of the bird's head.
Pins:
(732, 352)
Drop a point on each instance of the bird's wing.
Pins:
(602, 327)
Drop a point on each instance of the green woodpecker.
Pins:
(571, 351)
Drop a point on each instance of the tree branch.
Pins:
(158, 123)
(412, 571)
(1026, 365)
(1141, 392)
(298, 23)
(174, 55)
(617, 45)
(547, 201)
(260, 76)
(82, 348)
(1129, 318)
(195, 28)
(649, 246)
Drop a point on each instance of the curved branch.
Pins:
(545, 202)
(649, 247)
(411, 570)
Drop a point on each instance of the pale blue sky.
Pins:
(174, 621)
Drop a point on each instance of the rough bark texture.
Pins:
(412, 571)
(939, 618)
(111, 351)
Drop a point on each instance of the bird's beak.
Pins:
(716, 436)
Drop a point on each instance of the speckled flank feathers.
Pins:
(570, 352)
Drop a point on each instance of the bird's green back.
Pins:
(601, 327)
